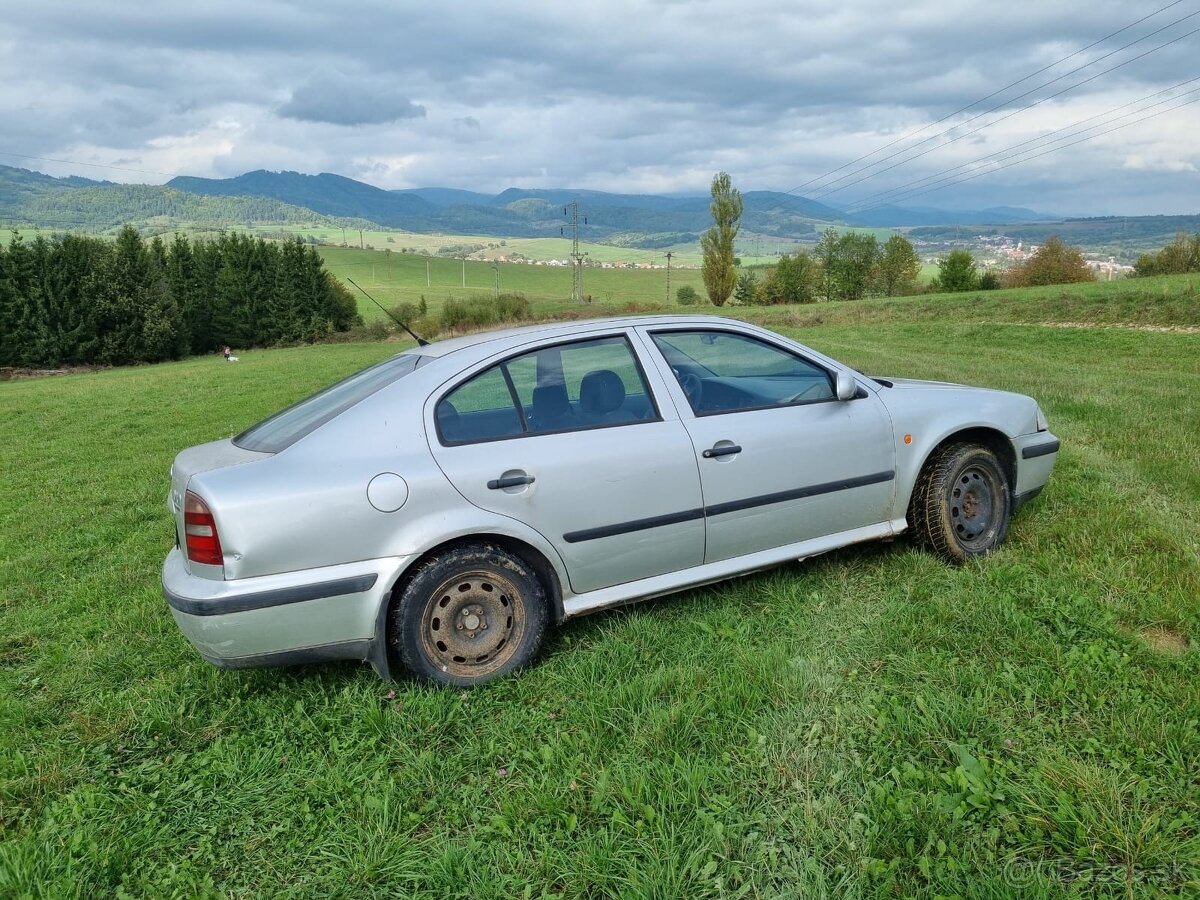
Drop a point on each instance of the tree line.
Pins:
(75, 299)
(852, 265)
(1179, 257)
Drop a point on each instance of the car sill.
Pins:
(657, 586)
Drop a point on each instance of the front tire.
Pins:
(962, 503)
(469, 615)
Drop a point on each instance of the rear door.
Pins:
(569, 439)
(781, 459)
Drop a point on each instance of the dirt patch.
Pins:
(1165, 640)
(13, 373)
(1131, 326)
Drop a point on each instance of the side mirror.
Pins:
(847, 387)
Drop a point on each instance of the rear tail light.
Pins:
(200, 532)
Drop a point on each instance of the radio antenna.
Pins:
(421, 342)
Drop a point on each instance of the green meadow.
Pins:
(871, 723)
(406, 277)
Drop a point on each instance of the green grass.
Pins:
(872, 723)
(548, 287)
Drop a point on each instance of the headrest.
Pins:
(601, 392)
(550, 400)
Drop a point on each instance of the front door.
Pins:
(781, 459)
(568, 439)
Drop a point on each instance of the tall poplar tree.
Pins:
(718, 271)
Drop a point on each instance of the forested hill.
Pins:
(31, 198)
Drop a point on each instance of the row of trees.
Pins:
(1179, 257)
(78, 299)
(845, 266)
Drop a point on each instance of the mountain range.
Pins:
(636, 220)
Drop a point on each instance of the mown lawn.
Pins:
(873, 723)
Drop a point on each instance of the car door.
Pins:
(568, 438)
(781, 459)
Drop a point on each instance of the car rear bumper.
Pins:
(309, 616)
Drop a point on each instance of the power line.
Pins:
(72, 162)
(953, 182)
(982, 99)
(828, 189)
(1000, 155)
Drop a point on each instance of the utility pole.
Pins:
(669, 255)
(427, 271)
(360, 240)
(576, 256)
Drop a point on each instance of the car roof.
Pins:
(518, 336)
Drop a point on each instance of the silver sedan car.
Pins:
(434, 513)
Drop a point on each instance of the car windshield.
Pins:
(285, 428)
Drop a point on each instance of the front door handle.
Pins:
(508, 481)
(726, 450)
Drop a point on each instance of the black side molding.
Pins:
(1041, 449)
(812, 490)
(591, 534)
(263, 599)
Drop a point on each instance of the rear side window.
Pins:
(567, 387)
(285, 428)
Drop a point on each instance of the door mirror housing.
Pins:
(847, 387)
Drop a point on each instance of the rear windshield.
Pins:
(285, 428)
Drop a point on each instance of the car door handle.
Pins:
(727, 450)
(510, 481)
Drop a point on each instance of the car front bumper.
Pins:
(313, 615)
(1036, 456)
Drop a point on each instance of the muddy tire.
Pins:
(469, 615)
(962, 503)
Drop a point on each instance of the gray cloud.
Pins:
(617, 95)
(337, 99)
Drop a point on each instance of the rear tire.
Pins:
(468, 615)
(962, 503)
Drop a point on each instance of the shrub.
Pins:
(687, 296)
(483, 309)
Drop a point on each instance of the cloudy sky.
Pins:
(618, 95)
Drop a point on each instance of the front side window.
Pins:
(721, 371)
(567, 387)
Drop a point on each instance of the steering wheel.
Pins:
(693, 387)
(813, 389)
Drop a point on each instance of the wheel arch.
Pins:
(542, 568)
(992, 438)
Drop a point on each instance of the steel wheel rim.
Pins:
(473, 624)
(975, 502)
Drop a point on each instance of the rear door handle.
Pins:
(727, 450)
(510, 481)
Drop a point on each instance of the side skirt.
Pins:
(659, 585)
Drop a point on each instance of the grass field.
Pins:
(872, 723)
(547, 286)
